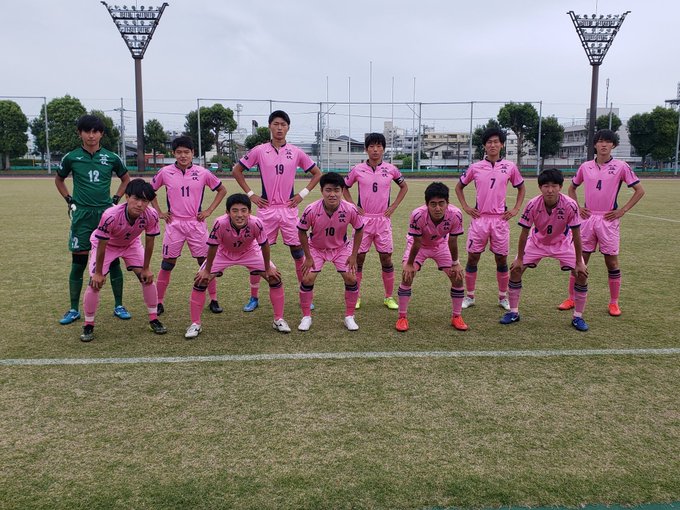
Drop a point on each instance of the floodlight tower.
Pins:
(596, 35)
(136, 27)
(676, 102)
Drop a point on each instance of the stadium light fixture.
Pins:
(596, 35)
(137, 27)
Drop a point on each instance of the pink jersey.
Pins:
(491, 182)
(185, 189)
(329, 232)
(277, 169)
(550, 226)
(602, 183)
(231, 240)
(375, 185)
(115, 227)
(433, 235)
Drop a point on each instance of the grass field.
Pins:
(344, 433)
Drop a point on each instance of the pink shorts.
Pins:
(491, 229)
(280, 217)
(177, 232)
(132, 255)
(251, 259)
(563, 252)
(440, 254)
(337, 256)
(596, 230)
(378, 231)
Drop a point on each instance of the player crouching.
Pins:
(118, 236)
(237, 239)
(556, 233)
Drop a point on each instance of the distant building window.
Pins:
(339, 148)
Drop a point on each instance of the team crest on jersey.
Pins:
(341, 217)
(560, 213)
(104, 159)
(289, 154)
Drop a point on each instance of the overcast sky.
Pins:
(311, 50)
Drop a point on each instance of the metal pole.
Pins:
(198, 124)
(392, 129)
(370, 98)
(349, 121)
(420, 130)
(593, 112)
(123, 154)
(472, 105)
(540, 135)
(413, 124)
(140, 115)
(677, 143)
(47, 140)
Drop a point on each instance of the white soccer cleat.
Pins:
(350, 323)
(305, 323)
(193, 331)
(281, 326)
(504, 304)
(468, 302)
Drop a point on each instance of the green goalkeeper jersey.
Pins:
(92, 175)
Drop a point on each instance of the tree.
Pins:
(602, 122)
(154, 137)
(521, 118)
(552, 134)
(262, 135)
(111, 133)
(63, 114)
(13, 137)
(477, 137)
(654, 134)
(215, 121)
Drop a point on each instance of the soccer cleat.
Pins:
(391, 303)
(157, 327)
(281, 326)
(160, 309)
(509, 318)
(88, 333)
(504, 304)
(350, 323)
(358, 305)
(121, 312)
(305, 323)
(614, 309)
(579, 323)
(251, 305)
(458, 323)
(468, 302)
(69, 317)
(402, 324)
(215, 306)
(193, 331)
(567, 304)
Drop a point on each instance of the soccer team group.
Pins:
(553, 225)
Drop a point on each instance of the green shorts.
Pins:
(84, 220)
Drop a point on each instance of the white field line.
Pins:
(340, 356)
(654, 217)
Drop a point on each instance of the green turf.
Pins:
(403, 433)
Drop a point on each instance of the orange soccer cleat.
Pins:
(458, 323)
(614, 309)
(402, 324)
(567, 304)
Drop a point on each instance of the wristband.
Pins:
(303, 192)
(456, 263)
(250, 193)
(115, 199)
(69, 199)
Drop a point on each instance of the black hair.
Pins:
(436, 190)
(332, 178)
(279, 114)
(550, 176)
(493, 131)
(182, 141)
(88, 123)
(607, 135)
(239, 198)
(140, 189)
(373, 138)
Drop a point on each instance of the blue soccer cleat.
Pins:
(121, 312)
(579, 324)
(69, 317)
(509, 318)
(251, 305)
